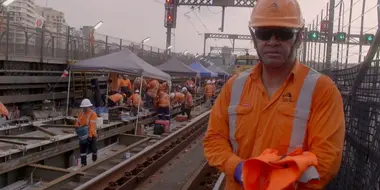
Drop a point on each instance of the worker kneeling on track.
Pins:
(86, 131)
(262, 116)
(177, 98)
(116, 99)
(188, 103)
(136, 102)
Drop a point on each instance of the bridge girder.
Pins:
(232, 37)
(214, 48)
(218, 3)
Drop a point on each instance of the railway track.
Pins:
(146, 156)
(205, 178)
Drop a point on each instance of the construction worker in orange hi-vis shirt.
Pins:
(85, 126)
(278, 106)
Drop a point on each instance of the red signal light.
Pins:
(169, 2)
(169, 17)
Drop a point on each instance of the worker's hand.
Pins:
(238, 174)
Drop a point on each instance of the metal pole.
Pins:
(68, 44)
(339, 30)
(204, 45)
(349, 33)
(223, 13)
(330, 34)
(168, 39)
(361, 32)
(142, 48)
(7, 40)
(319, 44)
(42, 44)
(138, 106)
(314, 47)
(68, 95)
(305, 47)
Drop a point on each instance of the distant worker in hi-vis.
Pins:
(281, 124)
(86, 131)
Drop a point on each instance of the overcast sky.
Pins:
(135, 20)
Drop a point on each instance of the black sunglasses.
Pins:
(266, 34)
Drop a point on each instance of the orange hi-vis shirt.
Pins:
(153, 87)
(136, 99)
(178, 98)
(125, 83)
(87, 119)
(3, 110)
(163, 99)
(188, 100)
(263, 122)
(116, 98)
(209, 90)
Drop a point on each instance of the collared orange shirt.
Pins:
(264, 122)
(125, 83)
(87, 119)
(136, 100)
(178, 98)
(209, 90)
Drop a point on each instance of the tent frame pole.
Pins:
(138, 106)
(68, 95)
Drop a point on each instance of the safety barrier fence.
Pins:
(18, 42)
(360, 167)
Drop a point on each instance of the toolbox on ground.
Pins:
(161, 126)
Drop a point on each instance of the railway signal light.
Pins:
(368, 38)
(169, 2)
(340, 37)
(313, 35)
(170, 17)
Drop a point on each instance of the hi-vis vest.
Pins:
(299, 122)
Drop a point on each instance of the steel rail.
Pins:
(102, 181)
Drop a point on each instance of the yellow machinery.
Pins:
(244, 62)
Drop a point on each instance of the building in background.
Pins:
(55, 23)
(22, 20)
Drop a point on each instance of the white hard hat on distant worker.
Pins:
(184, 89)
(137, 91)
(172, 95)
(275, 13)
(85, 103)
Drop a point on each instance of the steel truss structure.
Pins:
(232, 37)
(214, 48)
(217, 3)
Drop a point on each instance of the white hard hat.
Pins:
(184, 89)
(85, 103)
(172, 95)
(137, 91)
(208, 82)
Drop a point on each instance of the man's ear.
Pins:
(299, 40)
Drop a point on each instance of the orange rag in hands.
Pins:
(269, 171)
